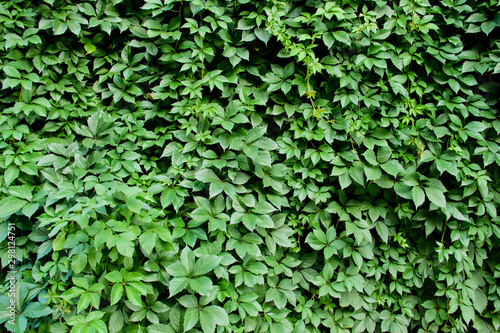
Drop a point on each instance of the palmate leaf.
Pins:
(185, 128)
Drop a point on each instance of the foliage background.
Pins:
(238, 166)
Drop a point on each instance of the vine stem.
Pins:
(448, 317)
(442, 236)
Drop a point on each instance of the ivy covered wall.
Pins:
(249, 166)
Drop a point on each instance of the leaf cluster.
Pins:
(250, 166)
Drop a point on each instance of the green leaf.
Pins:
(74, 26)
(467, 312)
(430, 315)
(188, 301)
(314, 242)
(116, 293)
(58, 243)
(435, 196)
(216, 188)
(125, 247)
(175, 317)
(476, 17)
(488, 27)
(328, 39)
(191, 318)
(398, 88)
(99, 326)
(475, 126)
(160, 328)
(168, 196)
(383, 231)
(206, 176)
(162, 232)
(455, 86)
(37, 310)
(59, 27)
(203, 285)
(114, 277)
(10, 205)
(79, 262)
(392, 167)
(206, 264)
(133, 295)
(11, 71)
(342, 36)
(11, 174)
(262, 34)
(370, 157)
(148, 241)
(480, 300)
(178, 284)
(177, 269)
(356, 173)
(134, 204)
(418, 196)
(497, 69)
(213, 315)
(372, 173)
(89, 48)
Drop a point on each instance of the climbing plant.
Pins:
(249, 166)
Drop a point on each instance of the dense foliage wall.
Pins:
(250, 166)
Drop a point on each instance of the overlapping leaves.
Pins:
(266, 166)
